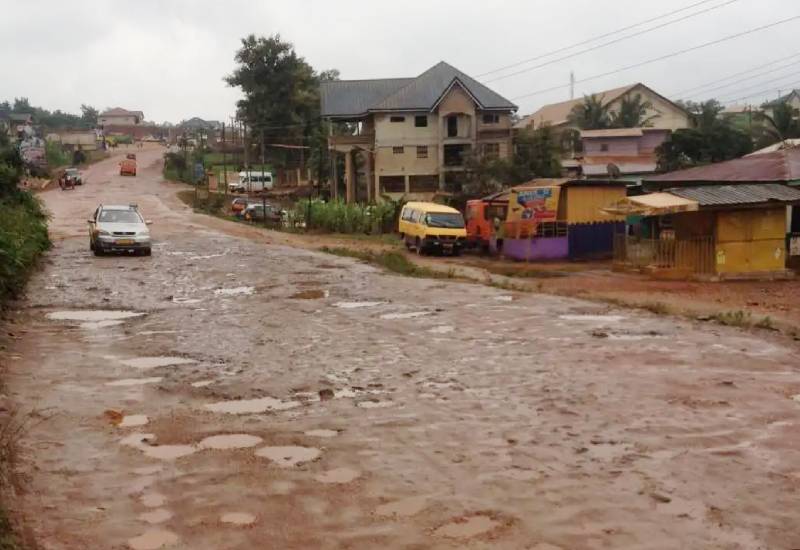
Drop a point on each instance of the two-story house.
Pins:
(120, 117)
(627, 153)
(413, 136)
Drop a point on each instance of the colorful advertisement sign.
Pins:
(535, 203)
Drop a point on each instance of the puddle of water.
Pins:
(156, 516)
(504, 298)
(153, 540)
(238, 518)
(338, 475)
(97, 325)
(321, 433)
(356, 305)
(344, 393)
(281, 487)
(230, 441)
(148, 470)
(92, 315)
(406, 507)
(135, 439)
(251, 406)
(202, 383)
(796, 397)
(135, 381)
(185, 300)
(467, 527)
(155, 362)
(153, 500)
(442, 329)
(312, 294)
(151, 332)
(237, 291)
(592, 318)
(287, 457)
(131, 420)
(407, 315)
(168, 452)
(374, 404)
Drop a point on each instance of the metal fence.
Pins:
(694, 255)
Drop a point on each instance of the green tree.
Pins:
(782, 124)
(695, 146)
(537, 154)
(22, 105)
(592, 114)
(89, 116)
(632, 113)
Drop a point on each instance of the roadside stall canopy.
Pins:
(653, 204)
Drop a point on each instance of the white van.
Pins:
(251, 182)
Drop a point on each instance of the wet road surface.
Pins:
(228, 393)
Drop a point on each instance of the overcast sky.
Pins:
(167, 58)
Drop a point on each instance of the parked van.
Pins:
(252, 182)
(427, 226)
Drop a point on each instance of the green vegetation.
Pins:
(736, 318)
(55, 155)
(338, 217)
(396, 262)
(54, 120)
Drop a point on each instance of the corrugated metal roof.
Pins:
(779, 146)
(727, 195)
(612, 132)
(557, 113)
(358, 97)
(355, 97)
(778, 166)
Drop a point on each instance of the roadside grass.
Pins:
(23, 238)
(396, 262)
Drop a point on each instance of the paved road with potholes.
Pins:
(229, 393)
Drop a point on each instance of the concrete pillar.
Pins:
(349, 177)
(408, 184)
(334, 175)
(368, 175)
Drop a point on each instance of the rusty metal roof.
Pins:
(729, 195)
(780, 166)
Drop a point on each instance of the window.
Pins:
(397, 119)
(452, 126)
(491, 150)
(604, 147)
(421, 121)
(491, 119)
(397, 150)
(422, 151)
(396, 184)
(420, 184)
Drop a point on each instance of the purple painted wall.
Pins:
(541, 248)
(617, 147)
(652, 139)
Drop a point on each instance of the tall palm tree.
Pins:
(782, 124)
(632, 113)
(592, 114)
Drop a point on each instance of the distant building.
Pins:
(415, 135)
(668, 115)
(120, 117)
(627, 153)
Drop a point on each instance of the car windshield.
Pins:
(443, 219)
(71, 171)
(119, 216)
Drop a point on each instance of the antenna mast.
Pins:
(571, 85)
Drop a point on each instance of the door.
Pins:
(452, 126)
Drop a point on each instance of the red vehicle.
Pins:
(484, 217)
(127, 167)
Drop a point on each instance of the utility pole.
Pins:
(263, 194)
(571, 85)
(224, 163)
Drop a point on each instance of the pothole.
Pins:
(406, 315)
(238, 518)
(202, 383)
(592, 318)
(145, 363)
(229, 441)
(374, 404)
(357, 305)
(406, 507)
(338, 475)
(251, 406)
(311, 294)
(93, 315)
(154, 517)
(467, 527)
(135, 381)
(236, 291)
(168, 452)
(153, 500)
(131, 420)
(321, 433)
(288, 457)
(153, 540)
(442, 329)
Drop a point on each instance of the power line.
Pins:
(765, 82)
(734, 75)
(751, 77)
(603, 45)
(762, 92)
(667, 56)
(593, 39)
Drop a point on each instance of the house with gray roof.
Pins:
(413, 136)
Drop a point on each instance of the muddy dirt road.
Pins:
(228, 393)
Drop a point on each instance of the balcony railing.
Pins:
(361, 139)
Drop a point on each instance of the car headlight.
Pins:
(143, 234)
(103, 232)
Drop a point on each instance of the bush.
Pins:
(339, 217)
(55, 154)
(23, 237)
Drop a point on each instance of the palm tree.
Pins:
(632, 113)
(783, 123)
(592, 114)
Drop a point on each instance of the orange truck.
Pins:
(127, 167)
